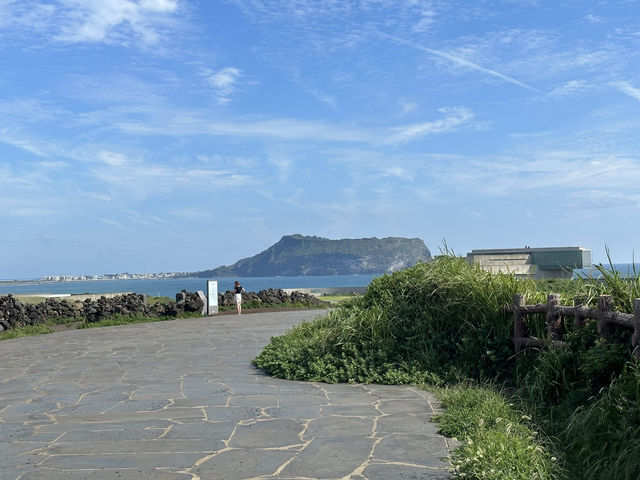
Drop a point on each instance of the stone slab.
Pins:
(180, 400)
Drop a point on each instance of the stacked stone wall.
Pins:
(14, 313)
(270, 297)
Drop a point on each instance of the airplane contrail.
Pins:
(460, 61)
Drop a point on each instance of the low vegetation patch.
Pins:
(497, 441)
(115, 320)
(338, 299)
(26, 331)
(51, 325)
(562, 413)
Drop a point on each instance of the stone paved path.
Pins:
(180, 400)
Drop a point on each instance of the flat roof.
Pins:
(494, 251)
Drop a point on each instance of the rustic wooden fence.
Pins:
(554, 312)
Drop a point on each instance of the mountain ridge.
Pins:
(295, 255)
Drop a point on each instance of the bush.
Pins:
(602, 438)
(497, 442)
(443, 322)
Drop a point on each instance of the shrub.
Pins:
(602, 438)
(441, 320)
(497, 442)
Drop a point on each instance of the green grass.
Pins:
(27, 331)
(498, 442)
(445, 322)
(337, 299)
(162, 300)
(116, 320)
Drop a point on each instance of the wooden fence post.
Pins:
(578, 319)
(519, 328)
(635, 339)
(554, 321)
(605, 305)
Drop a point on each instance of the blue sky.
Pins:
(179, 135)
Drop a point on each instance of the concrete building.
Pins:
(555, 262)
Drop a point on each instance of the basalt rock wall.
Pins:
(14, 313)
(271, 296)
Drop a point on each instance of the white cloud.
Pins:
(425, 23)
(593, 18)
(19, 140)
(542, 172)
(112, 20)
(224, 82)
(407, 106)
(454, 118)
(398, 172)
(112, 159)
(573, 87)
(139, 179)
(283, 166)
(625, 87)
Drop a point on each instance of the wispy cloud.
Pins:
(454, 118)
(568, 89)
(223, 82)
(19, 140)
(459, 61)
(625, 87)
(558, 171)
(292, 129)
(91, 21)
(283, 166)
(109, 20)
(138, 179)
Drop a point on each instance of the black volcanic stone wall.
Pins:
(14, 313)
(270, 297)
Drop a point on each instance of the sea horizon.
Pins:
(168, 287)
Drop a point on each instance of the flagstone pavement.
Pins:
(180, 400)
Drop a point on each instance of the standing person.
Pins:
(238, 291)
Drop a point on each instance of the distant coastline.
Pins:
(90, 278)
(168, 287)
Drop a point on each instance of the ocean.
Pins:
(626, 270)
(170, 286)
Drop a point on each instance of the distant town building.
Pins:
(554, 262)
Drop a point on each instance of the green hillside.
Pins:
(309, 255)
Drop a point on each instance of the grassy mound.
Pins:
(444, 323)
(435, 322)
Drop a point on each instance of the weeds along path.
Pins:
(181, 400)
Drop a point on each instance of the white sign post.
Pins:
(212, 295)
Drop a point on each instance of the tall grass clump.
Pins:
(497, 441)
(445, 323)
(586, 395)
(612, 282)
(437, 321)
(601, 438)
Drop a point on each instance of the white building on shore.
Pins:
(552, 262)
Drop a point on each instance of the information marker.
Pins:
(212, 295)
